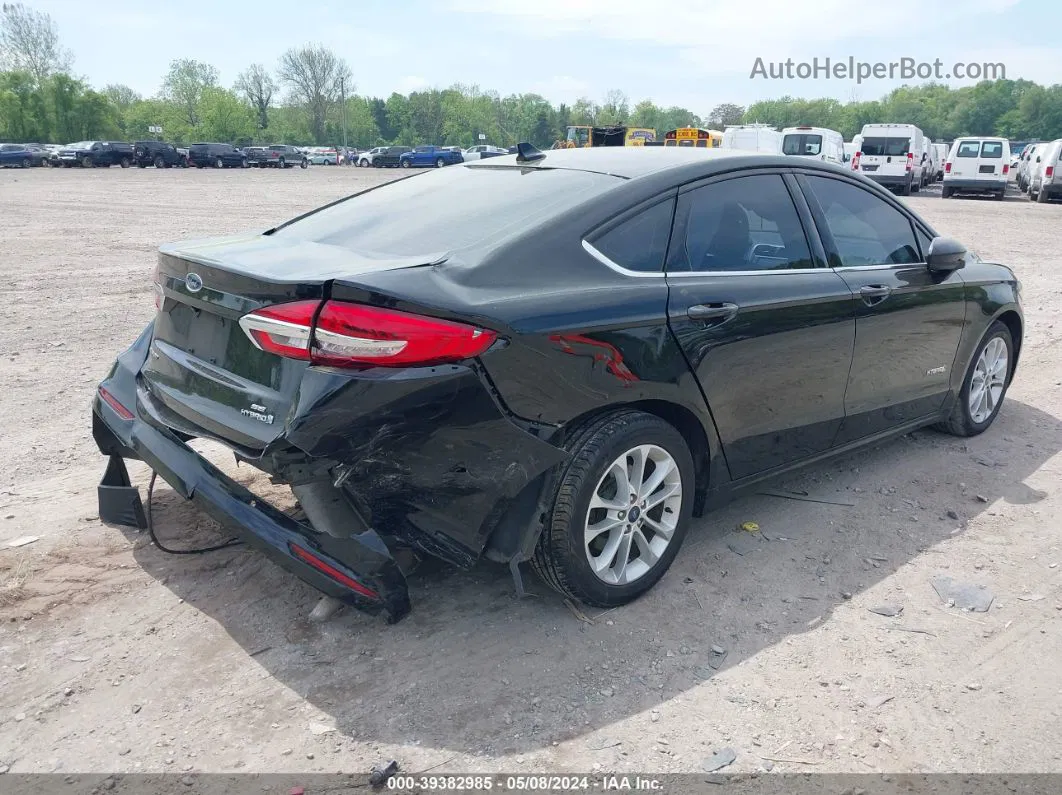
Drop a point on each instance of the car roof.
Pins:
(633, 162)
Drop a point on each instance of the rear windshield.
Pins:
(992, 149)
(802, 144)
(968, 149)
(448, 210)
(886, 147)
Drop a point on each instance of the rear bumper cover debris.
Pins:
(358, 569)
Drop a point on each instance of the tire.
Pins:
(1000, 195)
(27, 163)
(945, 192)
(304, 164)
(281, 163)
(915, 187)
(363, 163)
(962, 421)
(1041, 196)
(124, 162)
(405, 164)
(219, 163)
(440, 163)
(86, 162)
(906, 190)
(159, 162)
(562, 557)
(244, 163)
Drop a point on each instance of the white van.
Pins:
(753, 138)
(893, 155)
(977, 165)
(817, 143)
(850, 148)
(931, 163)
(942, 157)
(1028, 160)
(1045, 181)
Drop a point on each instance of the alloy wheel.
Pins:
(633, 514)
(988, 380)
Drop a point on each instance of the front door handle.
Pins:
(874, 293)
(714, 313)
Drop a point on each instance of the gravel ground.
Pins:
(119, 658)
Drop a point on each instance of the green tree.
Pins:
(185, 84)
(224, 117)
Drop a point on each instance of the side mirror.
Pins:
(945, 254)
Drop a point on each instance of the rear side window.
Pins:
(866, 230)
(448, 209)
(969, 149)
(886, 147)
(639, 243)
(742, 224)
(992, 149)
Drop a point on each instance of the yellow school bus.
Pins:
(580, 136)
(694, 136)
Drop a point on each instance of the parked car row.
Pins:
(426, 156)
(1038, 170)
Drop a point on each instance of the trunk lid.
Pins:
(203, 373)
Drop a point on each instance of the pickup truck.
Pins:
(96, 154)
(431, 157)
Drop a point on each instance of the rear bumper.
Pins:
(889, 180)
(976, 185)
(357, 569)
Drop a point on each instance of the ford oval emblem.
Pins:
(193, 282)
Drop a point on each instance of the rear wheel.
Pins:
(945, 192)
(405, 164)
(985, 384)
(219, 163)
(440, 163)
(159, 162)
(1041, 196)
(27, 163)
(305, 163)
(124, 162)
(906, 190)
(621, 510)
(86, 162)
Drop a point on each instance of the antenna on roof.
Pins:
(527, 153)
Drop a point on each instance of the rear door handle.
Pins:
(714, 313)
(874, 293)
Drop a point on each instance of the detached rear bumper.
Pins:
(357, 569)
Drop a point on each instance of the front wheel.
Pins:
(621, 510)
(304, 164)
(124, 163)
(440, 163)
(405, 164)
(219, 163)
(86, 162)
(159, 162)
(27, 163)
(985, 384)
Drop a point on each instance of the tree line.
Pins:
(309, 97)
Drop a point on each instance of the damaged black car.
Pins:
(556, 358)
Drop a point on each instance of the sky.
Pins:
(692, 54)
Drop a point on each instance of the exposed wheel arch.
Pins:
(1012, 320)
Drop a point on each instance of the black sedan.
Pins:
(557, 358)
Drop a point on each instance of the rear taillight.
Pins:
(1049, 172)
(855, 161)
(947, 168)
(283, 329)
(910, 161)
(1006, 168)
(355, 335)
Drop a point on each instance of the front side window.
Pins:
(639, 243)
(741, 224)
(968, 149)
(866, 230)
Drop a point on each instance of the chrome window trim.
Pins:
(593, 252)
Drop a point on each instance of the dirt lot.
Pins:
(116, 657)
